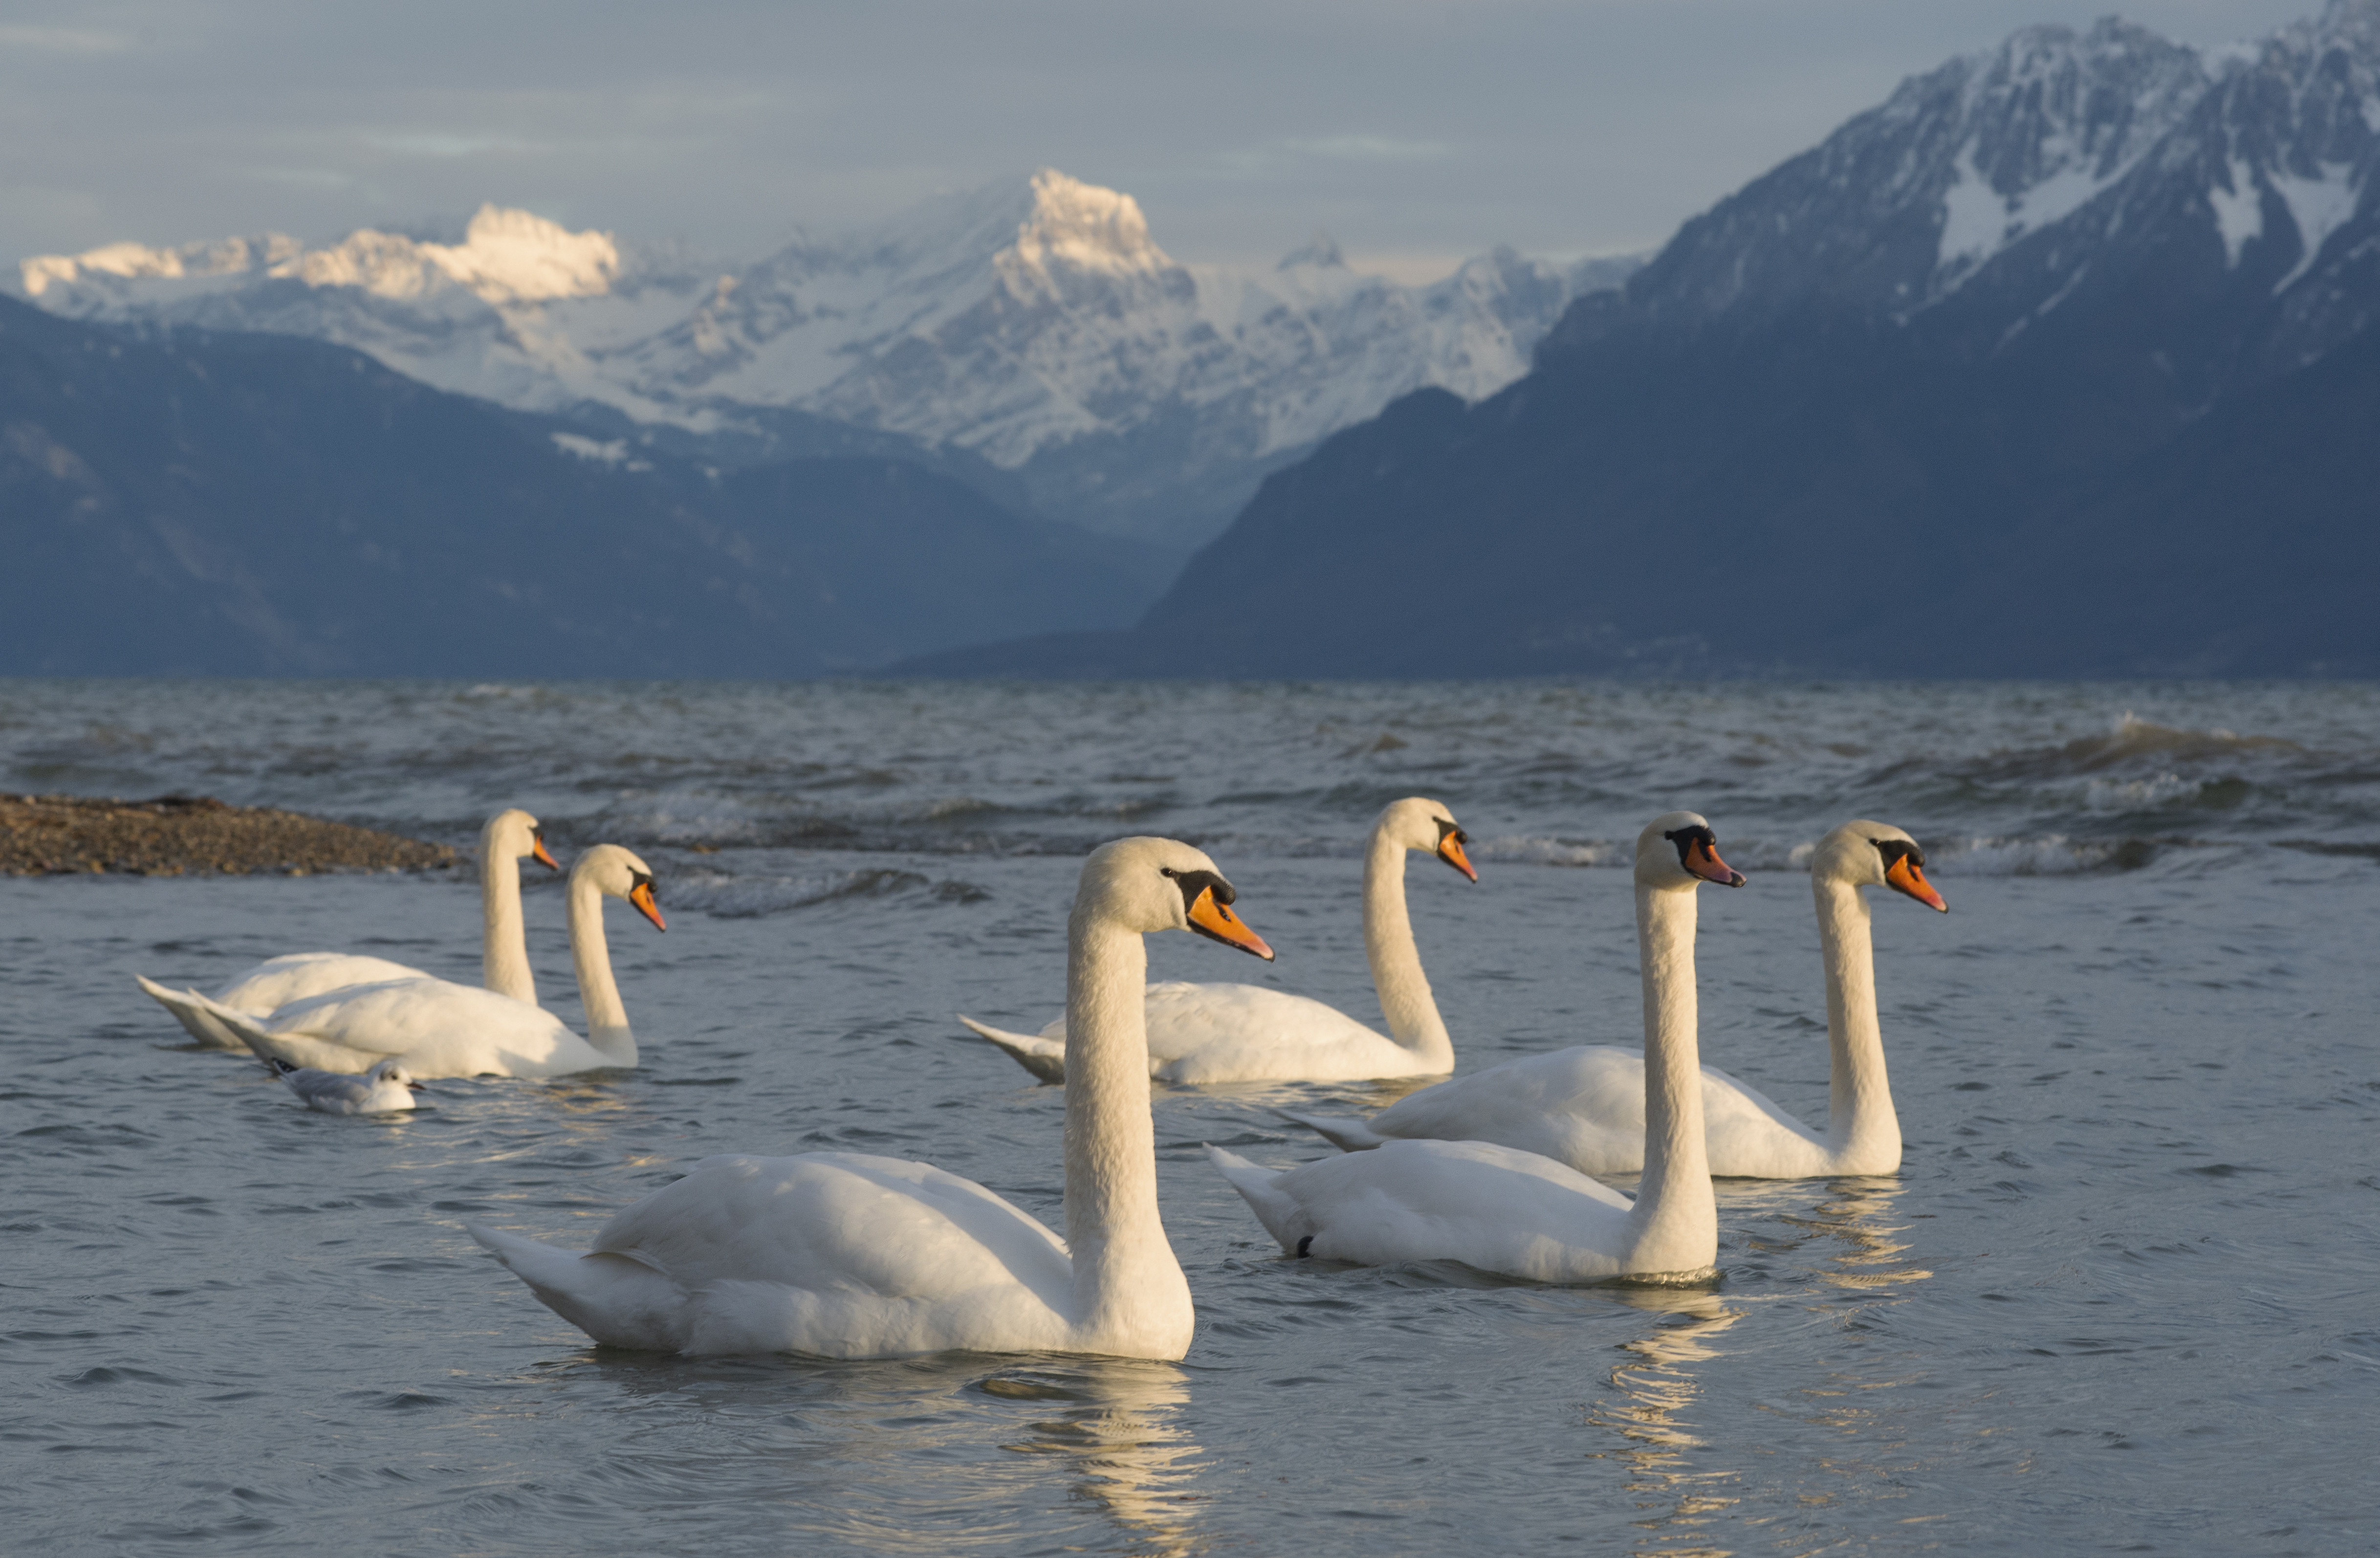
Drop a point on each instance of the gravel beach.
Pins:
(174, 835)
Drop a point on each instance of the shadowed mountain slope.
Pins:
(259, 505)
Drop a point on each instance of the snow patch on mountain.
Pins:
(1031, 320)
(2042, 125)
(2238, 207)
(505, 257)
(2320, 206)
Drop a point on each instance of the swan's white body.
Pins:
(383, 1089)
(1585, 1107)
(1501, 1210)
(508, 838)
(1245, 1033)
(844, 1255)
(436, 1029)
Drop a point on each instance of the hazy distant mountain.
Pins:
(1033, 328)
(2061, 361)
(190, 502)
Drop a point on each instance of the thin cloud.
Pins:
(62, 40)
(437, 145)
(1371, 148)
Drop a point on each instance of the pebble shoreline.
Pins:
(178, 835)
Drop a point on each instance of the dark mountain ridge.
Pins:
(190, 502)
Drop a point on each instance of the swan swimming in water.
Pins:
(1585, 1107)
(1245, 1033)
(1501, 1210)
(508, 838)
(437, 1029)
(848, 1255)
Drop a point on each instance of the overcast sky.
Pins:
(1416, 132)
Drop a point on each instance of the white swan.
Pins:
(1243, 1033)
(845, 1255)
(383, 1089)
(508, 838)
(1501, 1210)
(1583, 1106)
(436, 1029)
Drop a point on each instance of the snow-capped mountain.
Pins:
(2106, 173)
(1037, 325)
(2062, 361)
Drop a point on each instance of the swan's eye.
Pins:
(1447, 829)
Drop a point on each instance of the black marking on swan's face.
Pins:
(1447, 829)
(643, 879)
(1686, 838)
(1894, 850)
(1195, 883)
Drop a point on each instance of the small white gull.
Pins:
(383, 1088)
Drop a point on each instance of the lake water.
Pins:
(2124, 1295)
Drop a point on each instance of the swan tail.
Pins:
(618, 1300)
(1278, 1213)
(276, 1050)
(190, 1009)
(1344, 1132)
(250, 1034)
(1046, 1058)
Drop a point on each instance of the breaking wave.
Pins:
(745, 897)
(2129, 740)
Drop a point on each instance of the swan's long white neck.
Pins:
(504, 943)
(1127, 1283)
(1861, 1124)
(607, 1020)
(1405, 999)
(1675, 1222)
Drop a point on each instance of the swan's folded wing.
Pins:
(1730, 1102)
(296, 975)
(1235, 1032)
(1561, 1104)
(445, 1029)
(841, 1223)
(1489, 1207)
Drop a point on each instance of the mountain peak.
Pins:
(1085, 227)
(1321, 250)
(506, 256)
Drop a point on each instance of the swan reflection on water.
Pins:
(1848, 1260)
(1116, 1424)
(925, 1456)
(1650, 1408)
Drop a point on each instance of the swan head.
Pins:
(1144, 885)
(1678, 851)
(1876, 855)
(1416, 824)
(389, 1071)
(619, 873)
(512, 835)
